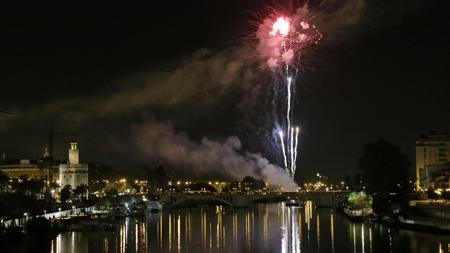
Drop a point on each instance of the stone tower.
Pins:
(73, 173)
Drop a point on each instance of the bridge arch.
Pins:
(195, 200)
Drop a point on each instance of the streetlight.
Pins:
(52, 191)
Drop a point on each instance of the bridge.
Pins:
(325, 199)
(320, 199)
(187, 200)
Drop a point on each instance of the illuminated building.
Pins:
(73, 173)
(431, 151)
(30, 169)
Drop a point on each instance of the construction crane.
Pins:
(51, 136)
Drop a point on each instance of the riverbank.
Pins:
(35, 236)
(419, 224)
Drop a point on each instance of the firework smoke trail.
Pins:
(295, 147)
(282, 38)
(280, 133)
(291, 140)
(288, 120)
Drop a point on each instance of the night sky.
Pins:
(102, 71)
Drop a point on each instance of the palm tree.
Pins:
(81, 191)
(66, 193)
(84, 190)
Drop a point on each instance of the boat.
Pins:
(119, 211)
(137, 209)
(358, 206)
(154, 206)
(293, 202)
(358, 214)
(419, 224)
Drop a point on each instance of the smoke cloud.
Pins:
(201, 78)
(225, 158)
(334, 16)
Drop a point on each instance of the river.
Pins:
(264, 228)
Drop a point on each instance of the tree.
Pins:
(97, 186)
(35, 187)
(358, 183)
(81, 191)
(28, 186)
(19, 184)
(135, 188)
(348, 181)
(203, 187)
(359, 200)
(84, 190)
(251, 184)
(77, 192)
(157, 177)
(4, 179)
(111, 192)
(384, 167)
(232, 187)
(52, 186)
(66, 193)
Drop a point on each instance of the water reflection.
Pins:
(332, 231)
(263, 228)
(290, 231)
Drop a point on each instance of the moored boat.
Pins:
(358, 214)
(294, 202)
(154, 206)
(358, 206)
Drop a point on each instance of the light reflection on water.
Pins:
(263, 228)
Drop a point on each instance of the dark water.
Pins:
(264, 228)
